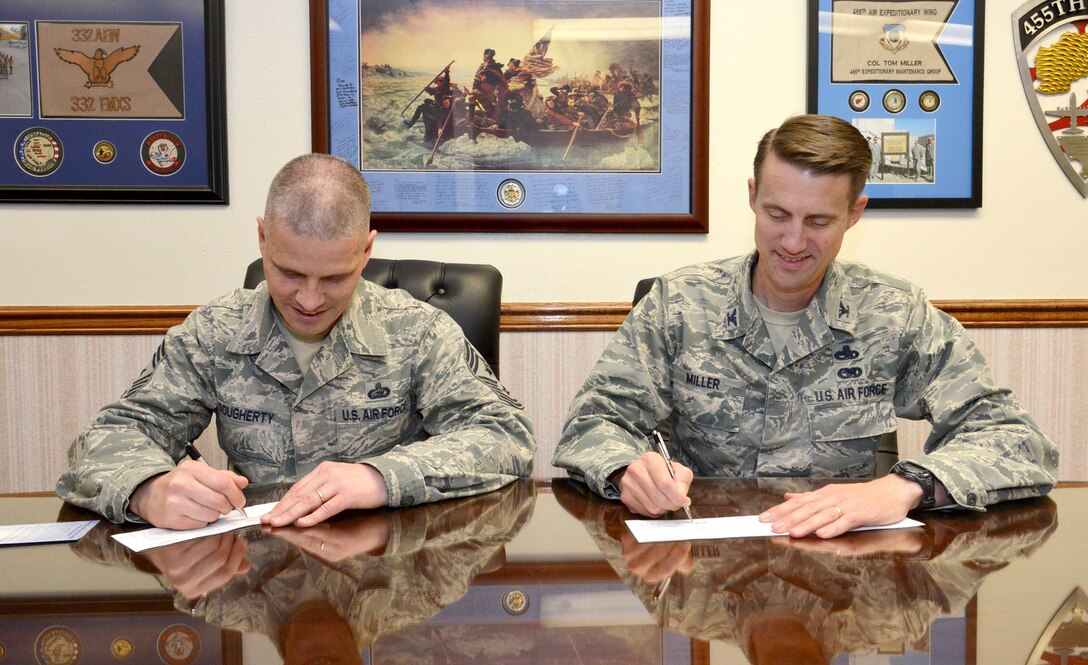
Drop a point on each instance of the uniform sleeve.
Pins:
(479, 436)
(145, 431)
(984, 447)
(626, 395)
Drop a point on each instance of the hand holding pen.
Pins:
(652, 485)
(195, 455)
(659, 442)
(188, 496)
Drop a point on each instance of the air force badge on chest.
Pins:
(847, 378)
(382, 402)
(1052, 55)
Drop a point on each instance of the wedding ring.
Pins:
(321, 497)
(838, 512)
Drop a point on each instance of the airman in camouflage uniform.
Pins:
(394, 385)
(787, 362)
(694, 353)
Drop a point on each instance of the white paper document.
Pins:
(51, 532)
(713, 528)
(147, 539)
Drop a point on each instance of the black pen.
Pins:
(194, 455)
(660, 442)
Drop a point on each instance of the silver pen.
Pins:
(660, 443)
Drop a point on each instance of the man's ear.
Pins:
(369, 247)
(857, 209)
(260, 233)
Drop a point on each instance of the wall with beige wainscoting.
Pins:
(51, 385)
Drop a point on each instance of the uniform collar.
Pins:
(358, 331)
(838, 305)
(832, 307)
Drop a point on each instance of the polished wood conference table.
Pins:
(545, 573)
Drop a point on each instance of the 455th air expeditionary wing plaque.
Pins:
(1052, 54)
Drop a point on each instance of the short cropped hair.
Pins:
(821, 144)
(319, 196)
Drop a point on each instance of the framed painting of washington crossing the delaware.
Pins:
(542, 116)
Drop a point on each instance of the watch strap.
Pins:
(922, 477)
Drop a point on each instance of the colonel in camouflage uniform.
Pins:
(394, 406)
(787, 362)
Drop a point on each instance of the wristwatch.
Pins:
(922, 477)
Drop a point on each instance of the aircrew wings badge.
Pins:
(1052, 55)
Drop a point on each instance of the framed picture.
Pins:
(479, 115)
(118, 101)
(906, 73)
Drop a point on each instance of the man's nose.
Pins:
(793, 238)
(309, 296)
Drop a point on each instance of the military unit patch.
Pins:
(1052, 55)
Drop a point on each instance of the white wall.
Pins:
(1030, 240)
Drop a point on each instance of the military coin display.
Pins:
(38, 151)
(894, 101)
(929, 101)
(859, 101)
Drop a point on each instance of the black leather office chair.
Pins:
(470, 293)
(887, 451)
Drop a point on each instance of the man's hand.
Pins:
(195, 567)
(190, 496)
(647, 488)
(835, 509)
(327, 490)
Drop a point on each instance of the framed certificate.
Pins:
(118, 101)
(908, 75)
(475, 115)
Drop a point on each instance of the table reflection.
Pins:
(325, 593)
(783, 600)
